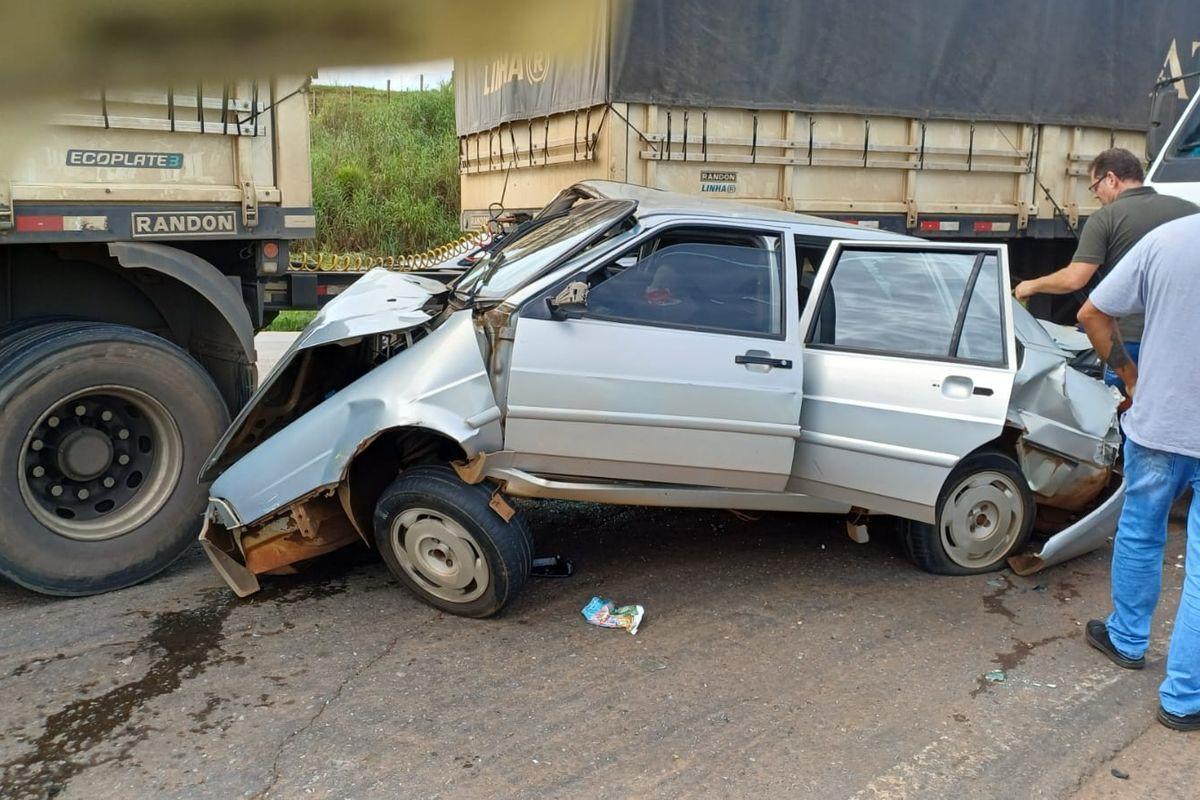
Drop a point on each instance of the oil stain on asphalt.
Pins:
(182, 645)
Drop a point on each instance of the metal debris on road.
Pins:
(608, 614)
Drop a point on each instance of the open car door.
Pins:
(909, 359)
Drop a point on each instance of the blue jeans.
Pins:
(1154, 480)
(1111, 378)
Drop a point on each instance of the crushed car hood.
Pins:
(379, 302)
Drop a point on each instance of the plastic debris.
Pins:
(996, 676)
(608, 614)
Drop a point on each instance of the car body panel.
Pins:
(378, 302)
(1080, 538)
(609, 400)
(439, 384)
(883, 431)
(601, 398)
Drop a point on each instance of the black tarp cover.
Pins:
(1075, 62)
(1086, 62)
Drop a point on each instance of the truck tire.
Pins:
(985, 514)
(441, 538)
(105, 430)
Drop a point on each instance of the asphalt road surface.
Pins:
(777, 658)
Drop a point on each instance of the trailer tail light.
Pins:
(270, 255)
(992, 226)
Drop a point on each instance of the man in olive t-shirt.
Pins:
(1128, 212)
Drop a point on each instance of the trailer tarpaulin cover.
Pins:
(520, 85)
(1074, 62)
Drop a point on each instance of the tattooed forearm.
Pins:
(1118, 357)
(1105, 336)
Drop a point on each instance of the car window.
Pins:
(701, 285)
(1188, 144)
(983, 328)
(808, 261)
(907, 302)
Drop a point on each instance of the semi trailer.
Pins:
(946, 120)
(144, 239)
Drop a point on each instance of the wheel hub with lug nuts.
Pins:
(982, 519)
(100, 462)
(440, 555)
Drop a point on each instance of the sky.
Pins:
(403, 76)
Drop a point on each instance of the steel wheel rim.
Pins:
(440, 555)
(982, 519)
(100, 462)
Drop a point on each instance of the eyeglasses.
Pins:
(1096, 183)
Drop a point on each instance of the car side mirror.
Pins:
(1164, 112)
(571, 300)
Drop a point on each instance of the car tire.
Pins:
(985, 514)
(105, 429)
(443, 540)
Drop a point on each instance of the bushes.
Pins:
(385, 172)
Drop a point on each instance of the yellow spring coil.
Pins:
(321, 261)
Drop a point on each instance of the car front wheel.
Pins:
(984, 515)
(443, 540)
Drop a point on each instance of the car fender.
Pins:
(440, 385)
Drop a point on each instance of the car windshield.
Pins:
(524, 259)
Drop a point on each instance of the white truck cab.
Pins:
(1175, 166)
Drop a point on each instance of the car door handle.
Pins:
(762, 359)
(960, 387)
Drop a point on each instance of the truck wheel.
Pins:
(105, 429)
(442, 539)
(985, 514)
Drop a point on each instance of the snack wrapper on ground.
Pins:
(608, 614)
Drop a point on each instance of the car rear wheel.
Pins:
(442, 539)
(105, 429)
(984, 515)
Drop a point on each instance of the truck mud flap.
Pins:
(1084, 536)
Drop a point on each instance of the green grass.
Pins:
(291, 321)
(385, 171)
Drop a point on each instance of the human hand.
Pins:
(1024, 291)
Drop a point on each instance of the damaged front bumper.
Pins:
(1068, 446)
(1084, 536)
(311, 527)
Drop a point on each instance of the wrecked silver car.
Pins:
(639, 347)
